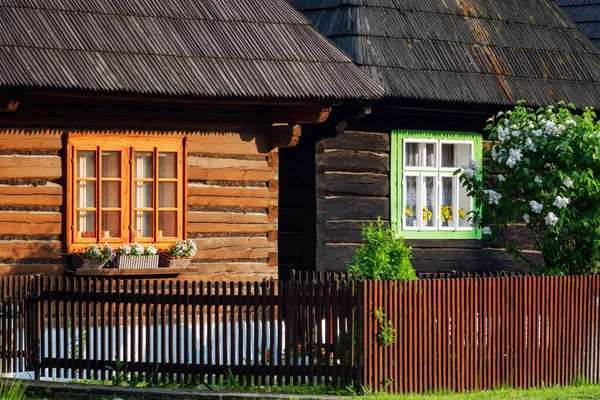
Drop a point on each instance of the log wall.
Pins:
(353, 188)
(232, 203)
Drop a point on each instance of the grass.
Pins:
(582, 391)
(13, 389)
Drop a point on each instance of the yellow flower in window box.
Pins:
(461, 213)
(446, 213)
(408, 212)
(427, 215)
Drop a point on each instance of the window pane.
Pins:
(143, 165)
(111, 164)
(143, 224)
(111, 194)
(447, 206)
(447, 155)
(86, 164)
(410, 208)
(464, 204)
(167, 194)
(430, 209)
(167, 224)
(167, 165)
(143, 194)
(86, 194)
(430, 149)
(85, 224)
(411, 154)
(111, 224)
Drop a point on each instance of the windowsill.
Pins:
(130, 272)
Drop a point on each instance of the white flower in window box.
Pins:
(179, 255)
(136, 256)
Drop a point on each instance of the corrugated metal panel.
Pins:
(586, 14)
(481, 51)
(208, 48)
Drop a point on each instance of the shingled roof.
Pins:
(251, 49)
(586, 14)
(491, 52)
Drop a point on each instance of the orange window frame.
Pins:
(128, 146)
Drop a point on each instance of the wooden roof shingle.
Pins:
(247, 49)
(491, 52)
(586, 14)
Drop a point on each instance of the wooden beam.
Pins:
(9, 101)
(284, 136)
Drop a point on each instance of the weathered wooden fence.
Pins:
(469, 334)
(199, 332)
(450, 334)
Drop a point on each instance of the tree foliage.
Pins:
(543, 169)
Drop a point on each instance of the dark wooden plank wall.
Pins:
(352, 188)
(352, 181)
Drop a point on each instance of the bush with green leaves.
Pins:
(382, 255)
(543, 169)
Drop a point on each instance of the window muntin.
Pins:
(430, 201)
(132, 191)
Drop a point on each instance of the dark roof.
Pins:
(251, 49)
(469, 51)
(586, 14)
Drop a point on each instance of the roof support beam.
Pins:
(284, 135)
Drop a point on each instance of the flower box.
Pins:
(136, 262)
(79, 262)
(166, 261)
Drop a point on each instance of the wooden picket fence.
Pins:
(450, 334)
(471, 334)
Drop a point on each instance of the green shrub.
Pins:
(13, 389)
(382, 255)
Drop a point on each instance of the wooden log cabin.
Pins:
(151, 121)
(446, 67)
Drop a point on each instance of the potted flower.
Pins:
(93, 257)
(136, 256)
(179, 255)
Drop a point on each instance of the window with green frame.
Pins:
(427, 200)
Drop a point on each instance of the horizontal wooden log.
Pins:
(30, 223)
(30, 167)
(209, 163)
(226, 191)
(32, 269)
(354, 160)
(362, 141)
(229, 228)
(29, 195)
(24, 249)
(235, 268)
(239, 202)
(230, 276)
(356, 208)
(201, 174)
(229, 254)
(465, 255)
(343, 231)
(355, 183)
(228, 217)
(39, 140)
(229, 143)
(231, 243)
(473, 266)
(284, 136)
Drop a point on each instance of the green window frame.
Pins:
(427, 200)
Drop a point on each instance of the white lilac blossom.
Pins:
(526, 218)
(470, 169)
(516, 133)
(535, 206)
(493, 197)
(537, 179)
(568, 182)
(560, 202)
(536, 132)
(570, 121)
(530, 145)
(486, 230)
(494, 154)
(501, 178)
(503, 134)
(514, 155)
(551, 219)
(549, 127)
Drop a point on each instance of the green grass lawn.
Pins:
(559, 393)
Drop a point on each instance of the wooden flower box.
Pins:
(79, 262)
(136, 262)
(167, 261)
